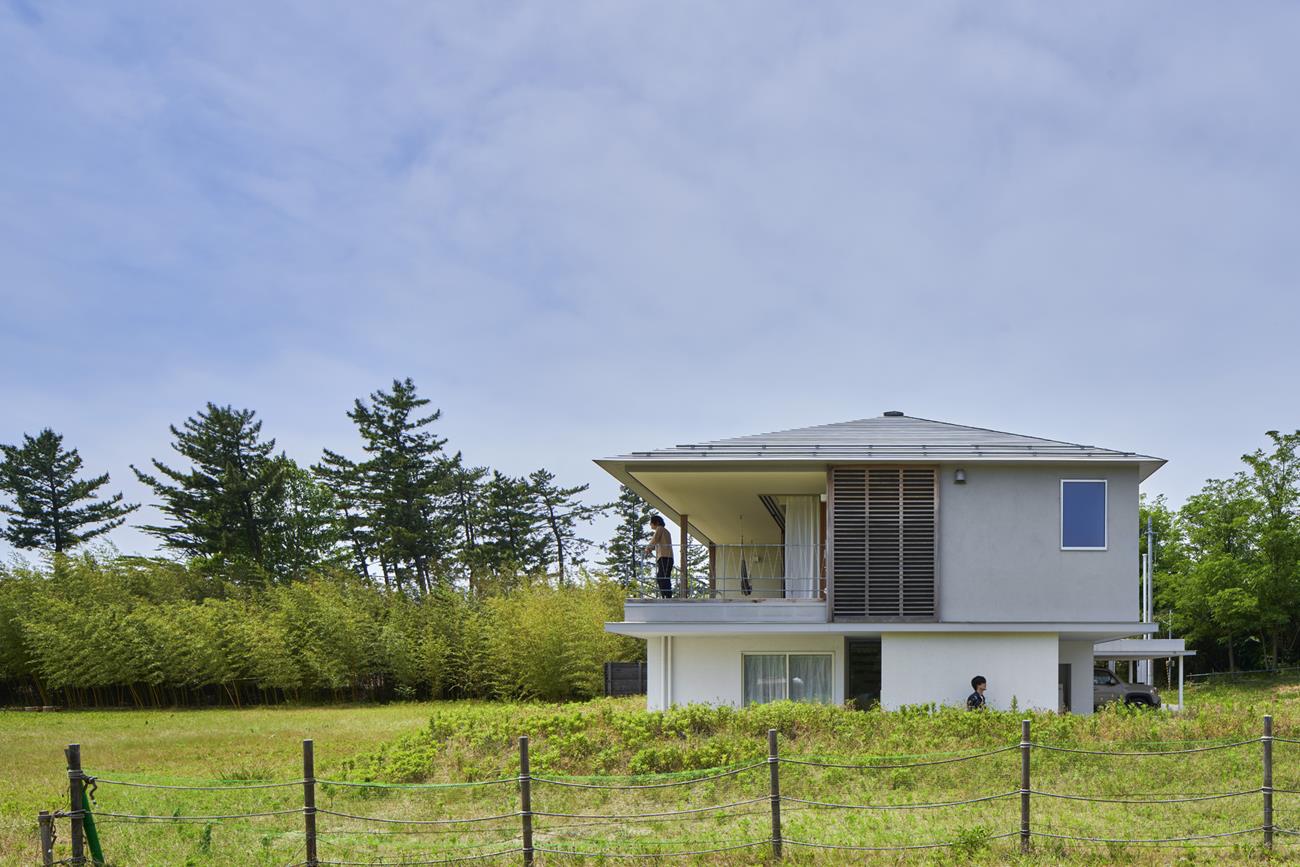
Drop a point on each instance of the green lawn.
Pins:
(451, 742)
(198, 745)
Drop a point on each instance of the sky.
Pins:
(588, 228)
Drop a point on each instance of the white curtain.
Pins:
(802, 546)
(763, 563)
(810, 678)
(765, 677)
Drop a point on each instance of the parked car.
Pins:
(1106, 688)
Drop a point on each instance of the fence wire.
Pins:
(693, 852)
(894, 767)
(219, 788)
(1122, 754)
(469, 820)
(549, 837)
(554, 781)
(933, 806)
(900, 848)
(1218, 796)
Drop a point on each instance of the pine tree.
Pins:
(41, 476)
(562, 512)
(346, 481)
(405, 482)
(468, 492)
(625, 558)
(513, 535)
(223, 505)
(306, 533)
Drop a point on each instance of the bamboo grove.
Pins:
(150, 632)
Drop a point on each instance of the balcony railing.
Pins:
(747, 572)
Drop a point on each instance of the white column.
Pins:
(1180, 683)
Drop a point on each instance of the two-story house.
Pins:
(891, 559)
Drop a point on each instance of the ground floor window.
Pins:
(796, 676)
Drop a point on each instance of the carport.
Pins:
(1148, 650)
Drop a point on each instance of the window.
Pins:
(1083, 515)
(1103, 678)
(796, 676)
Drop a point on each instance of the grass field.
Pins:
(602, 742)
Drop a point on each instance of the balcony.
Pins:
(780, 583)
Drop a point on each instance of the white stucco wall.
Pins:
(1000, 556)
(708, 669)
(938, 667)
(1079, 654)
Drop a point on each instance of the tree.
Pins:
(625, 558)
(346, 482)
(513, 534)
(52, 508)
(225, 503)
(468, 491)
(405, 480)
(1209, 593)
(1274, 480)
(563, 512)
(305, 534)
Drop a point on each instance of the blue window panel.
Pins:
(1083, 514)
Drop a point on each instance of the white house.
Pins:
(892, 559)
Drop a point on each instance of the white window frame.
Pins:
(786, 654)
(1105, 516)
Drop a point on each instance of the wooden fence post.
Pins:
(1024, 785)
(1267, 788)
(525, 799)
(77, 803)
(774, 773)
(309, 799)
(47, 838)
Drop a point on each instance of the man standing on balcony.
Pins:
(661, 545)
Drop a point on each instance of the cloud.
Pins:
(609, 227)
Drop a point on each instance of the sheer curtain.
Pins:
(763, 564)
(764, 678)
(802, 546)
(810, 678)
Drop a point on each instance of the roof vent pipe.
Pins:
(893, 413)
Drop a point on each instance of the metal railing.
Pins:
(748, 571)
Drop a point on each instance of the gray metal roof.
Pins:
(887, 438)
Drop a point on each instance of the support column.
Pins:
(686, 578)
(713, 570)
(1180, 683)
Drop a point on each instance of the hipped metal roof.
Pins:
(893, 437)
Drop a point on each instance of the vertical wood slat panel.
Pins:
(849, 554)
(885, 521)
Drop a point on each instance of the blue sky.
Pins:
(591, 227)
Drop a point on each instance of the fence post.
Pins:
(525, 799)
(309, 799)
(1024, 785)
(47, 838)
(774, 773)
(1267, 788)
(77, 803)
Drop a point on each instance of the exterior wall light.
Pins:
(959, 477)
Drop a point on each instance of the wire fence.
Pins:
(517, 836)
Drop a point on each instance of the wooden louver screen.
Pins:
(883, 530)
